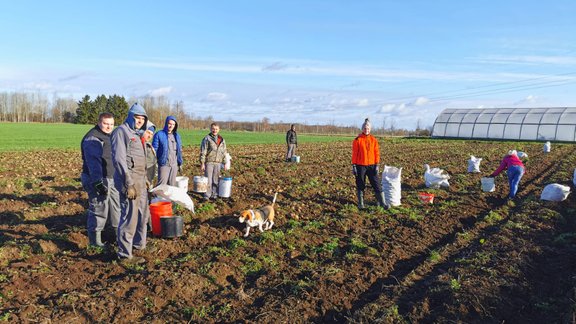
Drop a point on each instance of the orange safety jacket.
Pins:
(365, 150)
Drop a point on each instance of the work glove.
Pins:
(131, 192)
(100, 188)
(354, 170)
(180, 169)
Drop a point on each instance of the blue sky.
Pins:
(297, 61)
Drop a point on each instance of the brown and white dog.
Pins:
(259, 217)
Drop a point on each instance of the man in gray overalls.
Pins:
(129, 156)
(98, 179)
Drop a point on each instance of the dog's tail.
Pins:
(274, 200)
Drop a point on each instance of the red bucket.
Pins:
(158, 209)
(426, 198)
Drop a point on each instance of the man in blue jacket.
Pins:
(98, 179)
(129, 157)
(168, 147)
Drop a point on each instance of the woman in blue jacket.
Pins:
(168, 148)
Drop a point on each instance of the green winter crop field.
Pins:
(39, 136)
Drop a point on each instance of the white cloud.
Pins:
(257, 101)
(163, 91)
(43, 86)
(363, 102)
(216, 96)
(420, 101)
(529, 100)
(529, 59)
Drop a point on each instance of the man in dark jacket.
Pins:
(291, 142)
(98, 179)
(129, 156)
(168, 147)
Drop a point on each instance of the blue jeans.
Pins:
(515, 173)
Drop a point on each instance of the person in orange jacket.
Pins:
(365, 159)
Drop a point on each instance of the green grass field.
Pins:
(39, 136)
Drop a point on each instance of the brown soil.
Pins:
(469, 257)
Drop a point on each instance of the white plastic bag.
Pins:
(547, 147)
(435, 178)
(226, 164)
(488, 184)
(391, 185)
(555, 192)
(175, 194)
(474, 164)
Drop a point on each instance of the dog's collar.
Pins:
(253, 215)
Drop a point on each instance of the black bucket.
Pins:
(171, 226)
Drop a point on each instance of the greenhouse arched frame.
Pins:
(530, 124)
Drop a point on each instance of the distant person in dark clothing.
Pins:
(98, 179)
(291, 142)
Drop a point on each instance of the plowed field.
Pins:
(470, 257)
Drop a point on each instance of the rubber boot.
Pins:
(381, 199)
(360, 195)
(95, 238)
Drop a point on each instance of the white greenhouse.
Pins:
(533, 124)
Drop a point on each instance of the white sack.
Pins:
(175, 194)
(391, 185)
(435, 178)
(226, 164)
(547, 147)
(487, 184)
(474, 164)
(555, 192)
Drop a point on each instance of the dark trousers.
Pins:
(367, 170)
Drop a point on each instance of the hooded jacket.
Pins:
(160, 143)
(128, 153)
(508, 161)
(212, 149)
(365, 150)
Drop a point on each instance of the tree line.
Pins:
(36, 107)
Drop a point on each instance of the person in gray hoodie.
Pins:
(129, 158)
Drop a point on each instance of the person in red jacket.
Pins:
(515, 171)
(365, 159)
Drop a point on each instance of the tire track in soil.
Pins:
(391, 289)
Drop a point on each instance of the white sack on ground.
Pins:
(435, 178)
(488, 184)
(175, 194)
(555, 192)
(474, 164)
(391, 185)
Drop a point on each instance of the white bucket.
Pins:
(488, 184)
(182, 182)
(296, 158)
(225, 187)
(159, 199)
(200, 184)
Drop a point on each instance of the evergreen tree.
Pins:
(118, 106)
(84, 112)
